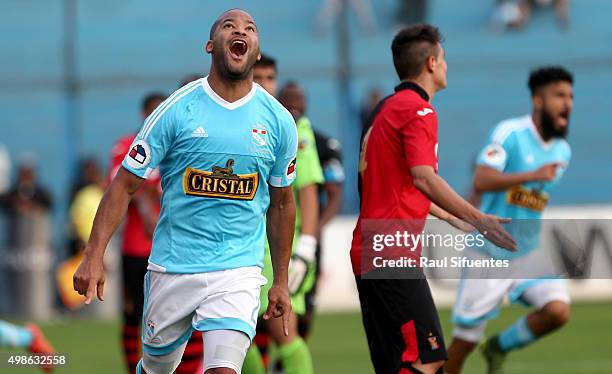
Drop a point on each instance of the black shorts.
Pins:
(401, 323)
(133, 271)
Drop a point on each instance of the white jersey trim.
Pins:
(507, 127)
(163, 107)
(155, 267)
(224, 103)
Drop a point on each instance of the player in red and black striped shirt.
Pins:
(399, 186)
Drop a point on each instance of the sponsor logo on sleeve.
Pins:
(220, 182)
(494, 154)
(291, 168)
(139, 155)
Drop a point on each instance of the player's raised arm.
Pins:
(280, 226)
(487, 178)
(439, 192)
(89, 277)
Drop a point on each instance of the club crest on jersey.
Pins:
(534, 199)
(139, 155)
(150, 331)
(220, 182)
(259, 134)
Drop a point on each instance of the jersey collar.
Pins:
(224, 103)
(414, 87)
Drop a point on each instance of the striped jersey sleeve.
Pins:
(156, 136)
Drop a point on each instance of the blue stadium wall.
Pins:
(129, 47)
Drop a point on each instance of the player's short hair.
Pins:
(266, 61)
(411, 48)
(215, 24)
(150, 98)
(545, 75)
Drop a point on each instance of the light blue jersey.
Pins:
(515, 146)
(216, 161)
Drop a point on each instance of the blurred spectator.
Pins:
(86, 200)
(29, 238)
(368, 105)
(88, 174)
(410, 12)
(514, 14)
(331, 10)
(5, 169)
(25, 198)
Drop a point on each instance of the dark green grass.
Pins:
(338, 345)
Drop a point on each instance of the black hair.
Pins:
(411, 48)
(545, 75)
(150, 98)
(266, 61)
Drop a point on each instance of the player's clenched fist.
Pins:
(279, 305)
(89, 279)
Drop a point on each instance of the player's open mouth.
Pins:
(564, 116)
(238, 48)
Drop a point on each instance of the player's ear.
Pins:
(431, 63)
(537, 101)
(209, 47)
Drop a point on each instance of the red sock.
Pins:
(131, 346)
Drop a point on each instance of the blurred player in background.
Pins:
(140, 222)
(29, 337)
(330, 203)
(265, 73)
(398, 180)
(294, 355)
(524, 159)
(219, 183)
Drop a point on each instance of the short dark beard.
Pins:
(549, 131)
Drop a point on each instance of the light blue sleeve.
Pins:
(153, 141)
(283, 172)
(495, 153)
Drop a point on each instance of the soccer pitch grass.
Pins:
(338, 345)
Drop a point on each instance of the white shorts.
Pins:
(479, 300)
(177, 304)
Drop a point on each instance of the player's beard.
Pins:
(232, 73)
(549, 130)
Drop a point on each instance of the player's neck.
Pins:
(229, 90)
(537, 122)
(425, 85)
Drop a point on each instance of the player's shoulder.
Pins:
(505, 129)
(273, 106)
(564, 147)
(184, 95)
(169, 110)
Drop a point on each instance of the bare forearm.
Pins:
(280, 226)
(110, 212)
(441, 194)
(309, 210)
(486, 179)
(442, 214)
